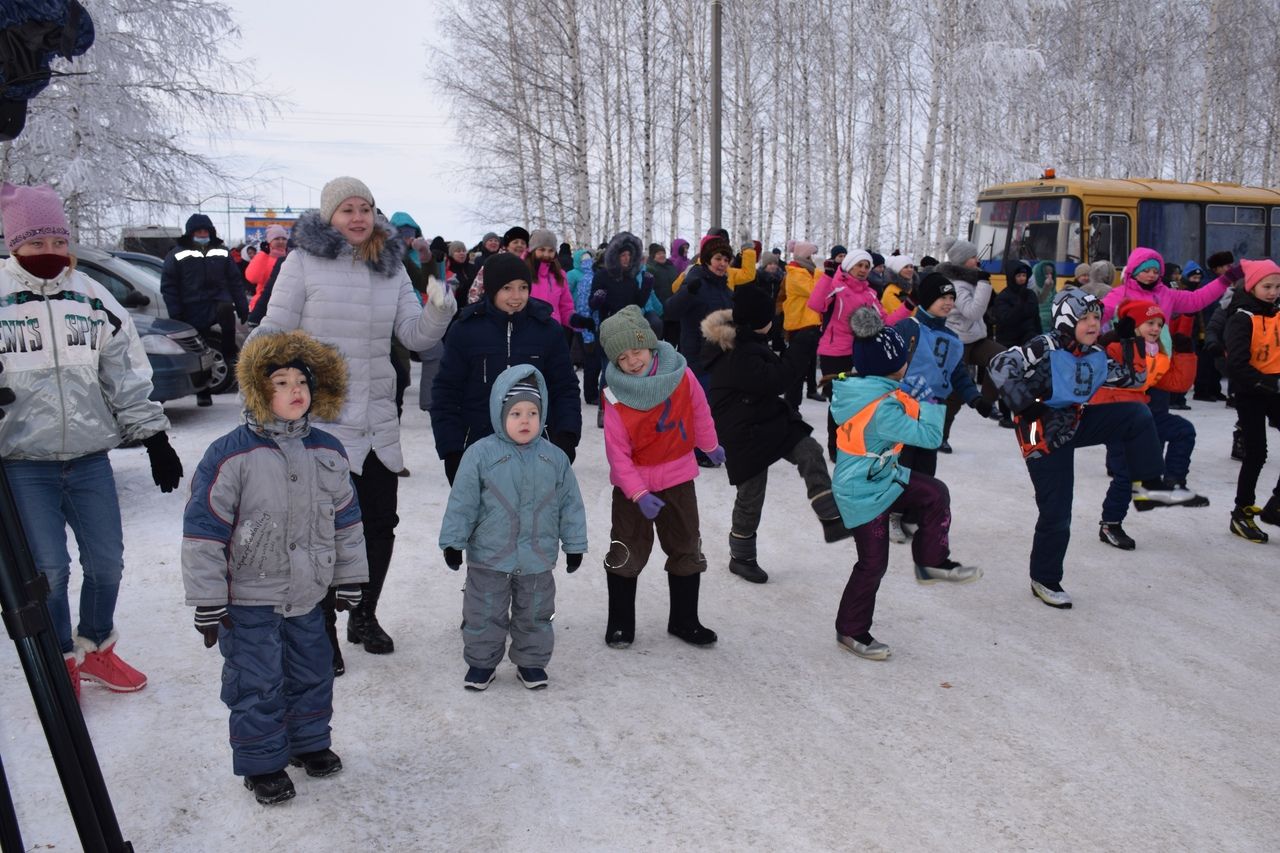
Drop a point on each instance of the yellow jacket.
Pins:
(744, 275)
(796, 314)
(892, 299)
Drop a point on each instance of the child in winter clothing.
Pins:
(1047, 384)
(1143, 274)
(503, 329)
(547, 281)
(1252, 340)
(581, 281)
(1164, 367)
(1044, 281)
(513, 502)
(1016, 309)
(655, 414)
(272, 524)
(756, 426)
(877, 418)
(968, 319)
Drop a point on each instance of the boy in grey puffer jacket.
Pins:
(514, 501)
(272, 524)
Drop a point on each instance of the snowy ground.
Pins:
(1142, 719)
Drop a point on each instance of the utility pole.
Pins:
(717, 12)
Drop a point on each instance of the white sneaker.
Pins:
(949, 571)
(874, 650)
(896, 533)
(1053, 598)
(1160, 493)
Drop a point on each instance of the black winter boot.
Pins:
(322, 762)
(833, 529)
(271, 788)
(742, 559)
(621, 630)
(1271, 512)
(683, 621)
(362, 624)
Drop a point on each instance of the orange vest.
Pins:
(663, 433)
(1264, 346)
(851, 436)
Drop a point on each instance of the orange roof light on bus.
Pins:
(1049, 174)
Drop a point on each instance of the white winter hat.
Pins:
(895, 263)
(853, 257)
(339, 190)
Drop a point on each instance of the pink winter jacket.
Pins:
(633, 479)
(1172, 302)
(845, 294)
(555, 293)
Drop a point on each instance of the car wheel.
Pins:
(222, 379)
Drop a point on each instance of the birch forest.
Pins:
(860, 122)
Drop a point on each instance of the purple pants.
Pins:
(930, 502)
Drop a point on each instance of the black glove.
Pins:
(598, 299)
(207, 621)
(1125, 328)
(571, 562)
(578, 321)
(347, 596)
(830, 265)
(1234, 273)
(451, 463)
(453, 558)
(6, 395)
(982, 406)
(908, 300)
(1034, 412)
(566, 441)
(166, 467)
(1183, 343)
(1269, 385)
(243, 316)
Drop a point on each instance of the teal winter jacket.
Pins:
(512, 505)
(866, 486)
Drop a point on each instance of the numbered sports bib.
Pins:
(1075, 378)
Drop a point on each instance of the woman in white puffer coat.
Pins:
(346, 285)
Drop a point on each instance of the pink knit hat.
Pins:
(31, 212)
(1254, 271)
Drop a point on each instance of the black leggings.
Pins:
(1254, 411)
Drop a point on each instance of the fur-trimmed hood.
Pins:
(328, 370)
(316, 237)
(621, 241)
(718, 329)
(956, 272)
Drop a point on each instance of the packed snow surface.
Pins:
(1143, 719)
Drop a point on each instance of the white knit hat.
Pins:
(895, 263)
(853, 257)
(339, 190)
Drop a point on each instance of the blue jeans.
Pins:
(277, 680)
(1125, 425)
(80, 493)
(1172, 430)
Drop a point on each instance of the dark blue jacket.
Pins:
(196, 278)
(701, 294)
(482, 343)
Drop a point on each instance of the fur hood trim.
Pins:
(328, 368)
(624, 240)
(955, 272)
(316, 237)
(718, 328)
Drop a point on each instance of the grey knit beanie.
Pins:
(339, 190)
(627, 329)
(961, 251)
(541, 238)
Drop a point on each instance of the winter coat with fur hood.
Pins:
(630, 286)
(512, 505)
(755, 425)
(80, 378)
(273, 518)
(195, 278)
(973, 294)
(325, 290)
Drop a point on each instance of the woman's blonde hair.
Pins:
(371, 249)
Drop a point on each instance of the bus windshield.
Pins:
(1028, 229)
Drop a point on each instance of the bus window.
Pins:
(1236, 229)
(1172, 228)
(1046, 229)
(1275, 233)
(1109, 238)
(991, 233)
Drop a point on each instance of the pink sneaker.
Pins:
(73, 672)
(103, 665)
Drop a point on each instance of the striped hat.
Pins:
(524, 391)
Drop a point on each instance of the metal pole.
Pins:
(717, 11)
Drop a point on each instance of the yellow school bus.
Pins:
(1070, 221)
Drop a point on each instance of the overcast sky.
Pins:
(359, 104)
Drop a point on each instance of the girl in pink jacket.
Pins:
(547, 280)
(1143, 279)
(836, 298)
(655, 414)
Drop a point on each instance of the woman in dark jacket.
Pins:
(506, 327)
(706, 289)
(1016, 309)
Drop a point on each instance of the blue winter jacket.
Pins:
(480, 344)
(866, 486)
(512, 505)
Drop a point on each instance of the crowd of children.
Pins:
(291, 514)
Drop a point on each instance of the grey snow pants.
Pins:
(496, 604)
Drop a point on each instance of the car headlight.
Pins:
(161, 345)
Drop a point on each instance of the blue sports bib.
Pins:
(935, 358)
(1075, 379)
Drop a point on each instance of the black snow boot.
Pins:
(621, 630)
(683, 621)
(1113, 534)
(321, 763)
(271, 788)
(1271, 512)
(362, 624)
(742, 559)
(824, 506)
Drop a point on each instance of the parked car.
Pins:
(223, 378)
(181, 364)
